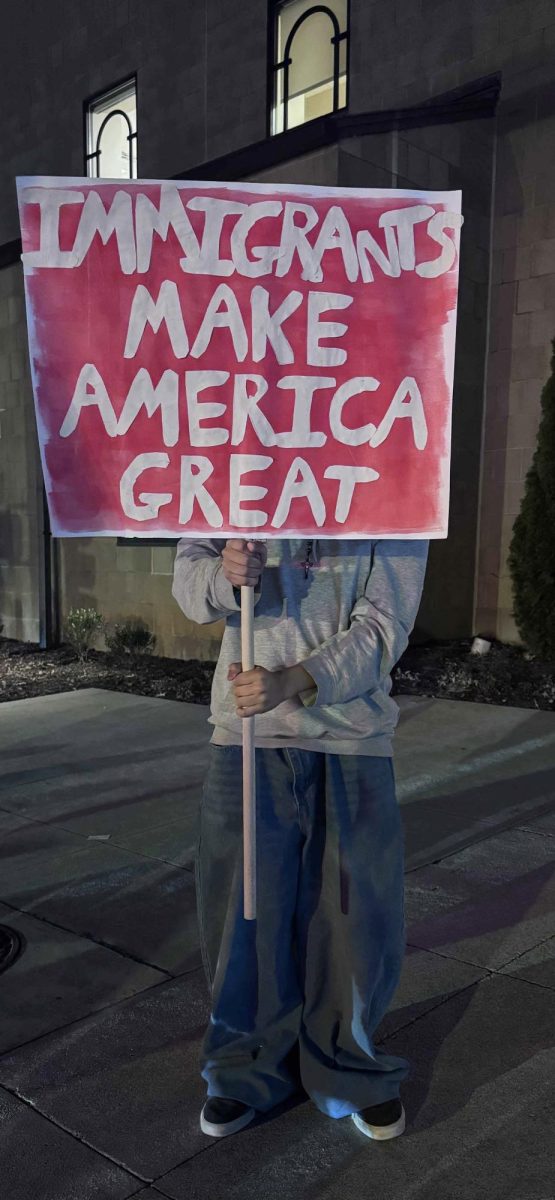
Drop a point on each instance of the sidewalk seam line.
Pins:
(88, 1016)
(492, 971)
(540, 811)
(96, 941)
(76, 1136)
(86, 838)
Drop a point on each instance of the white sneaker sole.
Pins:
(380, 1133)
(228, 1127)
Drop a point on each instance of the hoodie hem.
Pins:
(381, 746)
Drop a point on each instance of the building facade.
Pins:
(356, 93)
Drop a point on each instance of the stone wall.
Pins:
(200, 66)
(202, 91)
(522, 326)
(20, 477)
(424, 48)
(125, 582)
(120, 581)
(439, 157)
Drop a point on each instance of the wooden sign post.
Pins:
(249, 769)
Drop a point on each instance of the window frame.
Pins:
(274, 66)
(130, 81)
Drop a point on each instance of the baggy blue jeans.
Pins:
(315, 972)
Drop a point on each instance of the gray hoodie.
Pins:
(342, 608)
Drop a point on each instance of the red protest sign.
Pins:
(217, 358)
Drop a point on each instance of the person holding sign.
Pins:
(298, 994)
(264, 360)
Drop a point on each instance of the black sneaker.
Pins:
(381, 1121)
(221, 1117)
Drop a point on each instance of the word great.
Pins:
(300, 482)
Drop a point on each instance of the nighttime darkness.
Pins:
(277, 600)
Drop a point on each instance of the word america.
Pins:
(247, 391)
(134, 220)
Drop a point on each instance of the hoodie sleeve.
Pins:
(199, 584)
(358, 660)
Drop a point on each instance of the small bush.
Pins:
(547, 691)
(130, 637)
(455, 680)
(532, 550)
(81, 626)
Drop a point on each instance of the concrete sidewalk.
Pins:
(104, 1011)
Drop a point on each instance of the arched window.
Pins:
(112, 134)
(310, 61)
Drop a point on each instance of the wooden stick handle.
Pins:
(249, 777)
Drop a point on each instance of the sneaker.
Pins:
(221, 1117)
(381, 1121)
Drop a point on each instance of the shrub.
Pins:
(455, 680)
(81, 626)
(547, 691)
(532, 549)
(130, 637)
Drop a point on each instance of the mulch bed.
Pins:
(505, 675)
(26, 671)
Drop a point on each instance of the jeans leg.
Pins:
(250, 965)
(350, 922)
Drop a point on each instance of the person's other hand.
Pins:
(243, 562)
(256, 691)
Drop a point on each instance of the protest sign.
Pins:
(241, 359)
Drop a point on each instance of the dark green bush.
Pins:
(532, 549)
(130, 637)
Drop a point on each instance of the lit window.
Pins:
(112, 134)
(310, 62)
